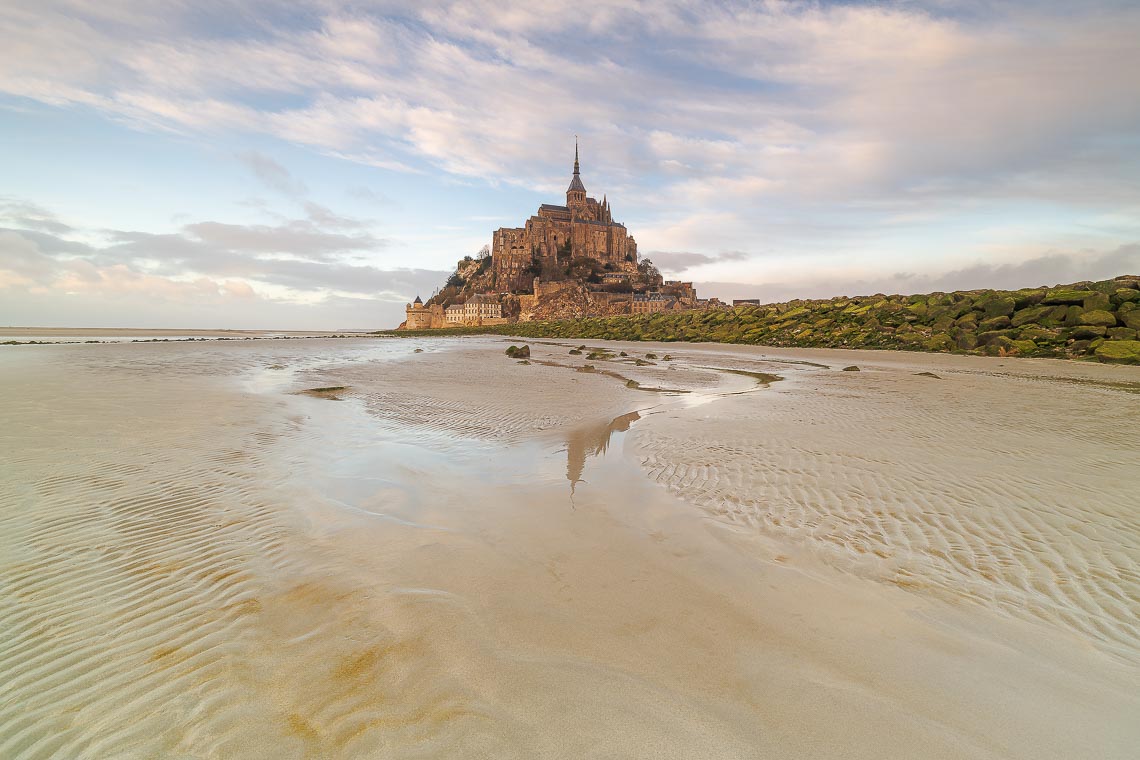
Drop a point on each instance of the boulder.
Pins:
(1057, 315)
(1031, 314)
(1121, 351)
(1122, 333)
(1035, 333)
(1086, 332)
(1000, 346)
(1073, 315)
(992, 336)
(1096, 303)
(997, 306)
(1124, 295)
(1030, 297)
(967, 341)
(1024, 346)
(1098, 317)
(1130, 318)
(1067, 296)
(940, 342)
(994, 323)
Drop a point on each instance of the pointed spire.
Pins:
(575, 181)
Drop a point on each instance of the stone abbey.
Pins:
(556, 235)
(565, 261)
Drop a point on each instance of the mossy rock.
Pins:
(1036, 333)
(993, 336)
(1057, 314)
(518, 352)
(1031, 314)
(942, 324)
(1121, 333)
(1025, 346)
(1130, 318)
(1067, 296)
(1098, 317)
(1119, 351)
(1099, 302)
(940, 342)
(852, 368)
(1125, 295)
(1078, 347)
(1073, 315)
(1088, 332)
(1000, 346)
(998, 306)
(967, 341)
(994, 323)
(1029, 297)
(1106, 287)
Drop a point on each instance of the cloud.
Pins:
(31, 216)
(1054, 268)
(272, 174)
(723, 104)
(676, 262)
(227, 267)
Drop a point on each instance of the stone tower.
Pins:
(576, 193)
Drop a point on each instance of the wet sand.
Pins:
(455, 555)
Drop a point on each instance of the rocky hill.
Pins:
(1084, 320)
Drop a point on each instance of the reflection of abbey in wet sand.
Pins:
(592, 441)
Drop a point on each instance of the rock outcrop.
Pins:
(1087, 320)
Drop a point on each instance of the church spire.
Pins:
(576, 191)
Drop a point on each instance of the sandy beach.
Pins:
(420, 548)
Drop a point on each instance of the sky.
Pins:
(316, 164)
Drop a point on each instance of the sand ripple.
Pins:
(1016, 493)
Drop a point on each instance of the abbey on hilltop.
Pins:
(567, 261)
(582, 229)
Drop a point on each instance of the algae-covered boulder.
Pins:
(997, 305)
(1121, 351)
(852, 368)
(1057, 315)
(1000, 346)
(1098, 317)
(1031, 314)
(990, 336)
(1034, 332)
(1024, 346)
(967, 341)
(1130, 318)
(1124, 295)
(517, 352)
(1087, 332)
(1096, 303)
(1067, 296)
(940, 342)
(1073, 315)
(1028, 297)
(1122, 333)
(994, 323)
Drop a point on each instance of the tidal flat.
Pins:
(421, 548)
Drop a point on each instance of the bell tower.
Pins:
(576, 193)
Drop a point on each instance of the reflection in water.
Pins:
(592, 441)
